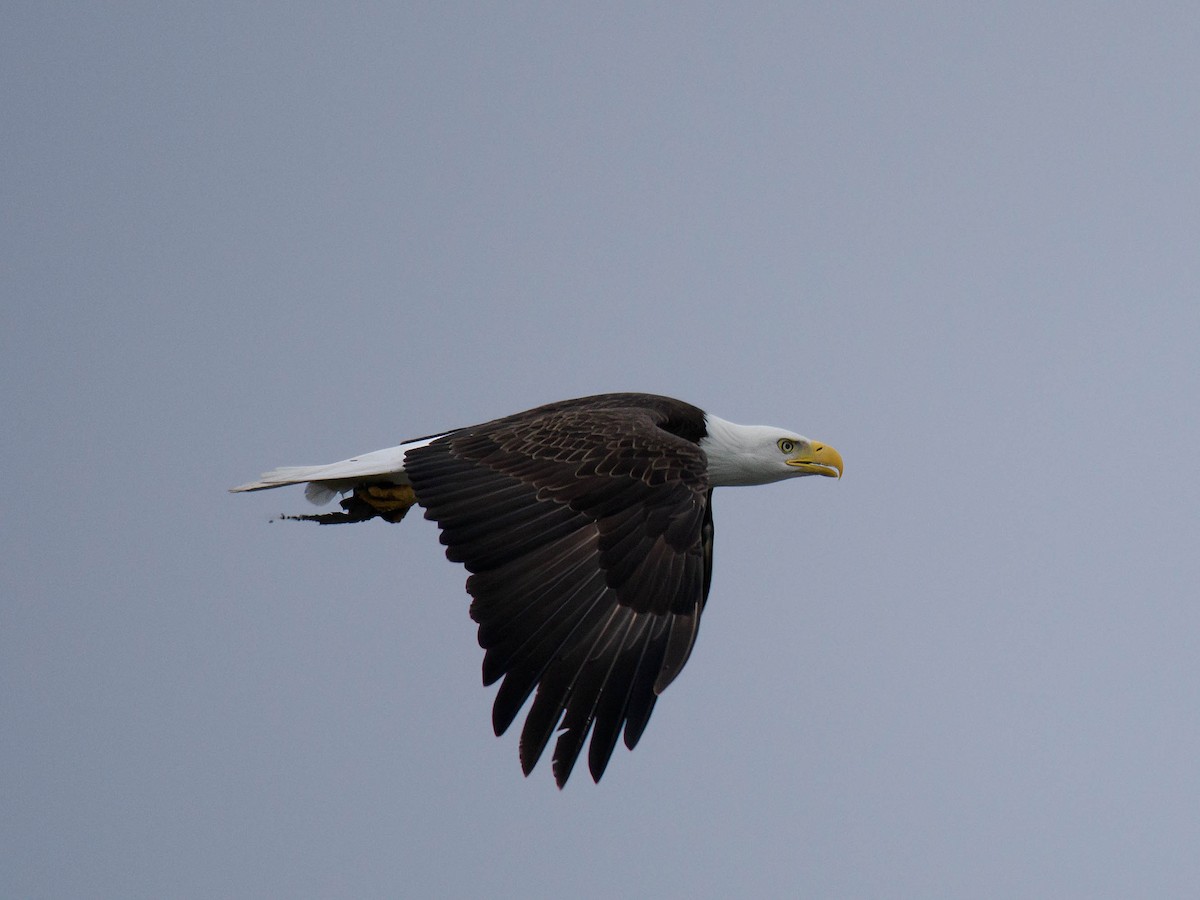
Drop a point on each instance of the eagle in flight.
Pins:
(586, 527)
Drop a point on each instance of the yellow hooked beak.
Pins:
(818, 459)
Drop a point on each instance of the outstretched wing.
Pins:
(588, 536)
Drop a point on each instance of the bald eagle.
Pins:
(586, 527)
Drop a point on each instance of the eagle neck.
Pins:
(735, 453)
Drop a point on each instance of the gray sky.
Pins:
(959, 246)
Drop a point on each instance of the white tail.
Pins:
(325, 482)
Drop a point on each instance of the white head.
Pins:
(760, 454)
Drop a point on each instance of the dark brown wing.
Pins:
(588, 534)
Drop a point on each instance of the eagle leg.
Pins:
(388, 502)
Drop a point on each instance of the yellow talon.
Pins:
(387, 498)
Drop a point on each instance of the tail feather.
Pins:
(324, 482)
(319, 492)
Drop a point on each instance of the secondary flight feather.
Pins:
(586, 527)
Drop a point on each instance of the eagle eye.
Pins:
(787, 446)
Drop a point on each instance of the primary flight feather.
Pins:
(586, 526)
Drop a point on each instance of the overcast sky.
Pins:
(961, 243)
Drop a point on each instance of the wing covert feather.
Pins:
(587, 533)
